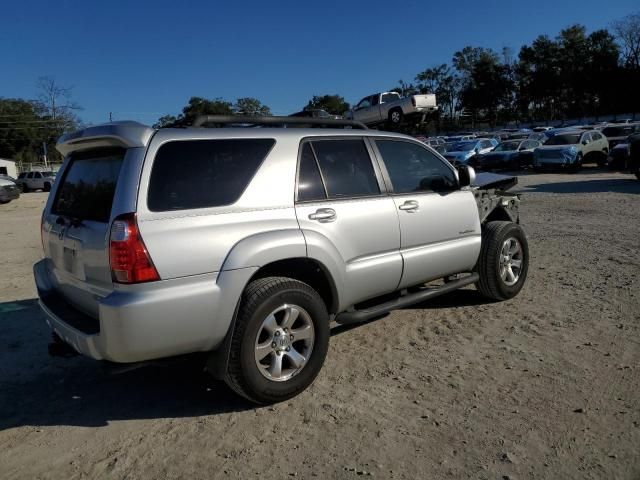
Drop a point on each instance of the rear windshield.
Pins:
(88, 185)
(204, 173)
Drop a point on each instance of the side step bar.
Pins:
(358, 316)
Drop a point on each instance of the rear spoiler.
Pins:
(125, 134)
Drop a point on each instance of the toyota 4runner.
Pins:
(246, 243)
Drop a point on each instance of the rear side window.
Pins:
(310, 186)
(346, 168)
(203, 173)
(22, 175)
(89, 184)
(415, 169)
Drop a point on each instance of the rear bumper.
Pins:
(147, 321)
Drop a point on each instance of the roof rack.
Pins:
(202, 120)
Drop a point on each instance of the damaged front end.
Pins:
(492, 198)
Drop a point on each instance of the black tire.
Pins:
(395, 116)
(575, 168)
(260, 298)
(24, 187)
(494, 236)
(47, 187)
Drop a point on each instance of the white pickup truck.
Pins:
(391, 107)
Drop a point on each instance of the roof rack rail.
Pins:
(202, 120)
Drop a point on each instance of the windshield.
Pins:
(507, 147)
(565, 139)
(463, 146)
(617, 131)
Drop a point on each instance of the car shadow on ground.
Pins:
(611, 185)
(39, 390)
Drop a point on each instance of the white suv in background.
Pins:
(36, 180)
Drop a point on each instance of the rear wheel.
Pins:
(395, 116)
(47, 187)
(280, 340)
(24, 188)
(504, 260)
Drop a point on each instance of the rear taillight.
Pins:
(130, 262)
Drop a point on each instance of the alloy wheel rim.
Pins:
(511, 261)
(284, 342)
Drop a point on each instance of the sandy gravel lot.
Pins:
(544, 386)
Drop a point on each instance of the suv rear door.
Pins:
(439, 223)
(76, 227)
(341, 202)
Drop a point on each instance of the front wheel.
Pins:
(279, 342)
(575, 168)
(504, 260)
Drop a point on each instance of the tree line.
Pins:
(574, 74)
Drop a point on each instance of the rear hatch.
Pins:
(76, 223)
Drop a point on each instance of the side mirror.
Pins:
(466, 175)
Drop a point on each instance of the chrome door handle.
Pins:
(323, 215)
(410, 206)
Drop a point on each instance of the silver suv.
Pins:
(36, 180)
(246, 243)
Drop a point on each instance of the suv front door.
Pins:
(346, 216)
(439, 222)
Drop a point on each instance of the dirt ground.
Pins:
(543, 386)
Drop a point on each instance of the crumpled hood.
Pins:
(488, 180)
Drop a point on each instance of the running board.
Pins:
(358, 316)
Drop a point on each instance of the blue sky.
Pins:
(141, 59)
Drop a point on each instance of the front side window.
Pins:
(204, 173)
(346, 168)
(415, 169)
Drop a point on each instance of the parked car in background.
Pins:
(460, 152)
(392, 108)
(36, 180)
(431, 141)
(315, 113)
(8, 189)
(541, 129)
(512, 154)
(541, 137)
(634, 154)
(619, 133)
(571, 149)
(459, 138)
(619, 155)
